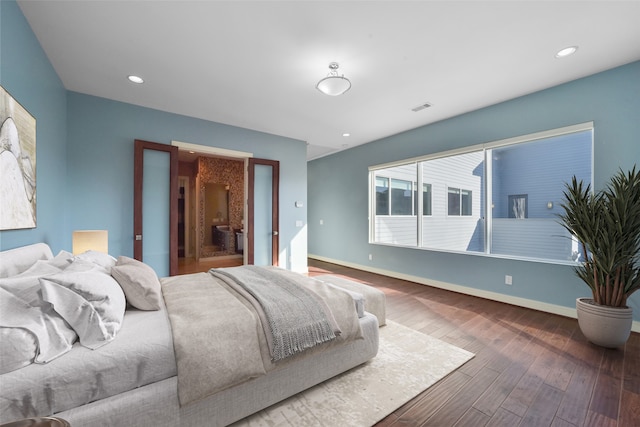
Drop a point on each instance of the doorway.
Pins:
(162, 238)
(211, 207)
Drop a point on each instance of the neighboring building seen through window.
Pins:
(500, 198)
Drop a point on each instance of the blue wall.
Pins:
(85, 153)
(100, 156)
(337, 184)
(25, 72)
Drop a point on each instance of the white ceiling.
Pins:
(255, 64)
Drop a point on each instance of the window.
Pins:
(395, 205)
(518, 206)
(465, 201)
(486, 186)
(426, 199)
(398, 201)
(382, 196)
(459, 202)
(451, 225)
(453, 200)
(401, 197)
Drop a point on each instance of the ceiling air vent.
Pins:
(421, 107)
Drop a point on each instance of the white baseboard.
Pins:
(495, 296)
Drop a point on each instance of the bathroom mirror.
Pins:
(216, 207)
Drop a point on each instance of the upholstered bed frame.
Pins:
(156, 403)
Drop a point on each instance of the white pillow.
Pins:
(15, 261)
(39, 268)
(62, 260)
(89, 300)
(139, 283)
(42, 268)
(100, 259)
(26, 285)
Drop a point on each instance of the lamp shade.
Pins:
(334, 85)
(90, 240)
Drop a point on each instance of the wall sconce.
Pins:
(90, 240)
(549, 205)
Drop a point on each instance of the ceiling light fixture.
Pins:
(566, 51)
(333, 84)
(135, 79)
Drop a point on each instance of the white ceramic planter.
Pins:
(602, 325)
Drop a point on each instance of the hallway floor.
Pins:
(189, 265)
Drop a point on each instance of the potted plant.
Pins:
(606, 224)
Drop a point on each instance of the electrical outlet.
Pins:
(321, 222)
(508, 280)
(370, 257)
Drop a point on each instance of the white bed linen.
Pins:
(142, 353)
(25, 318)
(54, 302)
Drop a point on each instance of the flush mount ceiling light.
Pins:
(135, 79)
(333, 84)
(566, 51)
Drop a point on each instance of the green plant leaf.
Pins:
(607, 223)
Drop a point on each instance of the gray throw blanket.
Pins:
(220, 337)
(297, 318)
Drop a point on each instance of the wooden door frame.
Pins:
(138, 170)
(187, 219)
(275, 186)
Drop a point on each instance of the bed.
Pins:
(120, 347)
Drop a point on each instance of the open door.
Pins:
(262, 212)
(155, 187)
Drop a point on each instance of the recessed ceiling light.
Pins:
(346, 134)
(566, 51)
(135, 79)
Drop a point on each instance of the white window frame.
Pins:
(586, 126)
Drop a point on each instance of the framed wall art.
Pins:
(17, 165)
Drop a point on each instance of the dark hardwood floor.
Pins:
(531, 368)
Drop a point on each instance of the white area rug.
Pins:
(408, 362)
